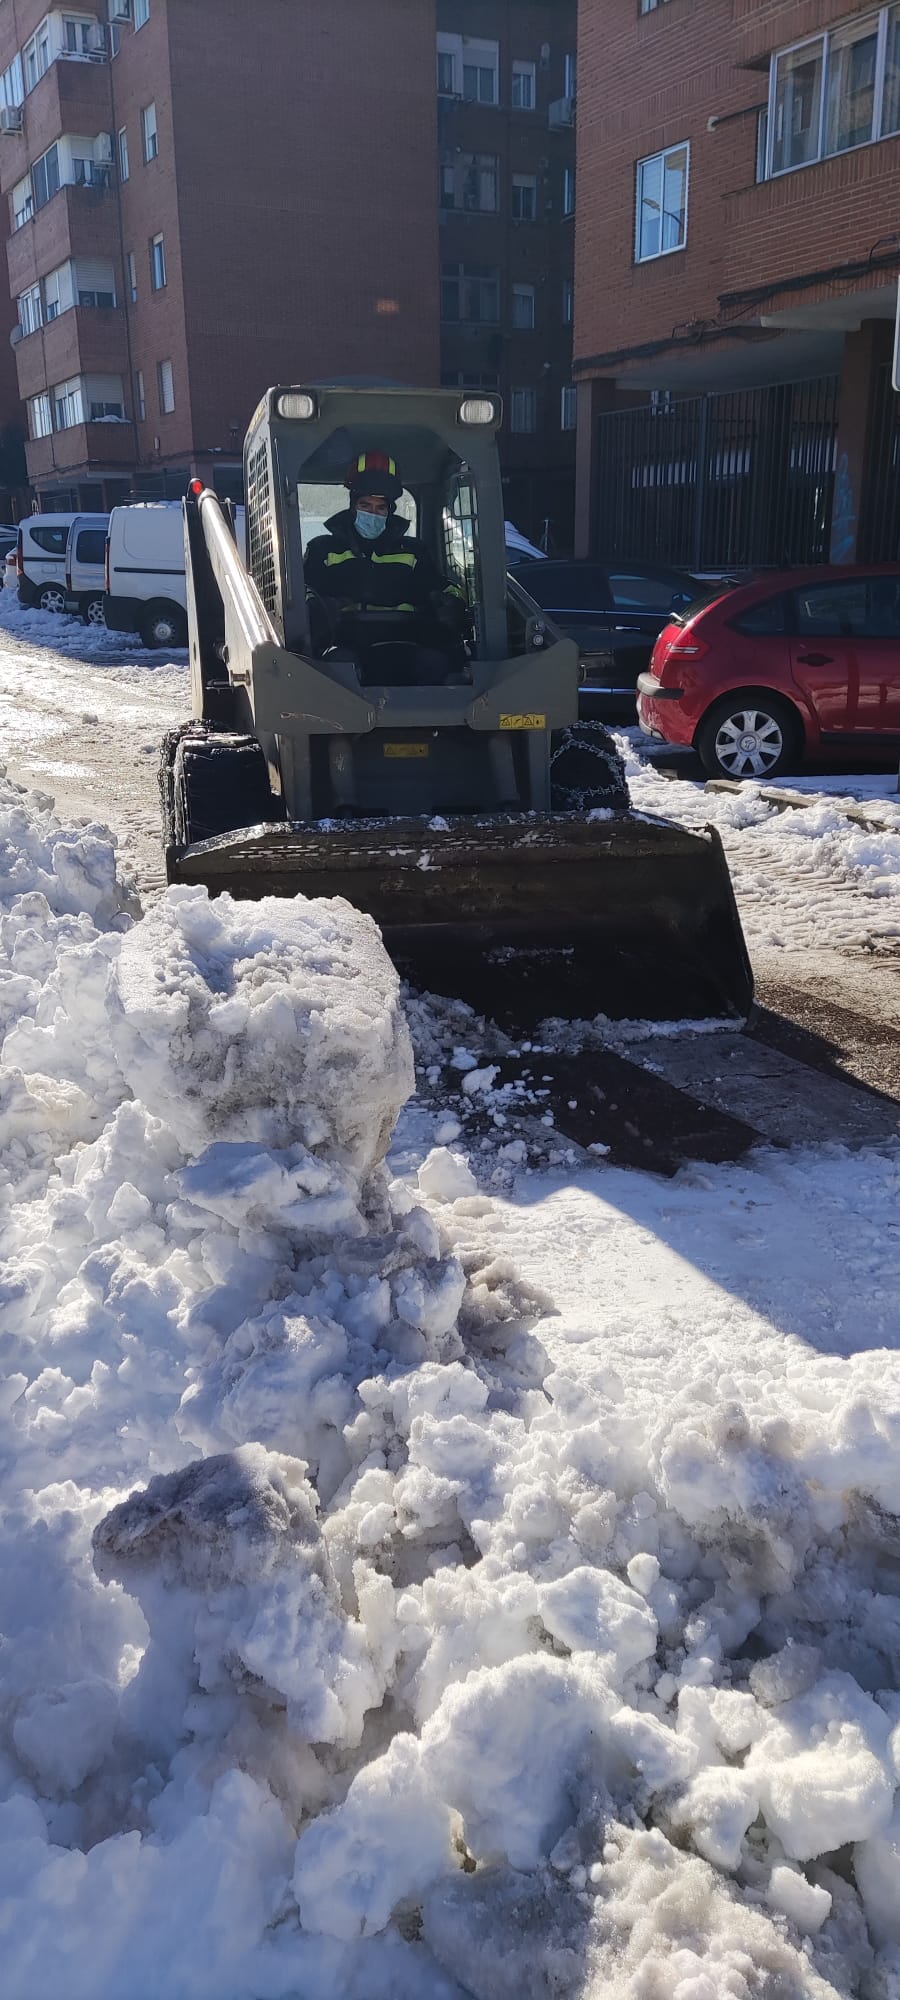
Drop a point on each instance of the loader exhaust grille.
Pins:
(259, 526)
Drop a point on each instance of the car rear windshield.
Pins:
(707, 594)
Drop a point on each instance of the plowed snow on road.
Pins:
(433, 1561)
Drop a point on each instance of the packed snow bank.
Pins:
(351, 1646)
(805, 878)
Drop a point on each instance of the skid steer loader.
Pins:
(444, 786)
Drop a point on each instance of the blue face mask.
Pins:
(370, 526)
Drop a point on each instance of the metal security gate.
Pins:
(879, 522)
(721, 481)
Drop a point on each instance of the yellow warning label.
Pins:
(523, 721)
(406, 750)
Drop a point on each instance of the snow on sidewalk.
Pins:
(803, 879)
(409, 1590)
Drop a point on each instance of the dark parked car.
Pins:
(614, 612)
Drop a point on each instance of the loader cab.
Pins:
(298, 449)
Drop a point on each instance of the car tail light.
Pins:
(20, 566)
(675, 646)
(108, 584)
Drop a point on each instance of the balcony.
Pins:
(88, 447)
(87, 340)
(72, 96)
(77, 222)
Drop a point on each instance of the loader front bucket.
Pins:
(523, 916)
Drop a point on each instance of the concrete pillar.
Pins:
(863, 351)
(594, 397)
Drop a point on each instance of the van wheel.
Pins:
(52, 598)
(93, 611)
(162, 627)
(750, 735)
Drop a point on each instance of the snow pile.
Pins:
(71, 637)
(354, 1645)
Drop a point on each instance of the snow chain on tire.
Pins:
(586, 771)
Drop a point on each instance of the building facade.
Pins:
(205, 199)
(738, 249)
(506, 133)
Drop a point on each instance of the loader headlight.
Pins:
(477, 410)
(297, 405)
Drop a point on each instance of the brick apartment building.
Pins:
(206, 197)
(506, 113)
(738, 248)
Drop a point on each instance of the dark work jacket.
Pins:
(396, 573)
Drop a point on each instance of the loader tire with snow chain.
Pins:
(220, 785)
(586, 771)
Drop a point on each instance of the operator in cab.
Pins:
(368, 561)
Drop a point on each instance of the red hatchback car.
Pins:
(760, 676)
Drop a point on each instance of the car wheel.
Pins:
(750, 736)
(94, 611)
(164, 628)
(52, 598)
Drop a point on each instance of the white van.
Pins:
(41, 560)
(145, 583)
(86, 567)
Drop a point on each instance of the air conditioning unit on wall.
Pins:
(12, 118)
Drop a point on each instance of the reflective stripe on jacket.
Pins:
(396, 573)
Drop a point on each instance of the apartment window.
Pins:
(123, 154)
(797, 118)
(524, 198)
(523, 308)
(650, 6)
(469, 292)
(166, 388)
(569, 408)
(151, 136)
(31, 315)
(523, 410)
(132, 276)
(80, 38)
(469, 182)
(36, 56)
(568, 301)
(468, 68)
(141, 13)
(45, 177)
(571, 76)
(661, 219)
(68, 404)
(53, 292)
(157, 263)
(524, 86)
(12, 85)
(834, 92)
(140, 396)
(22, 202)
(40, 416)
(569, 191)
